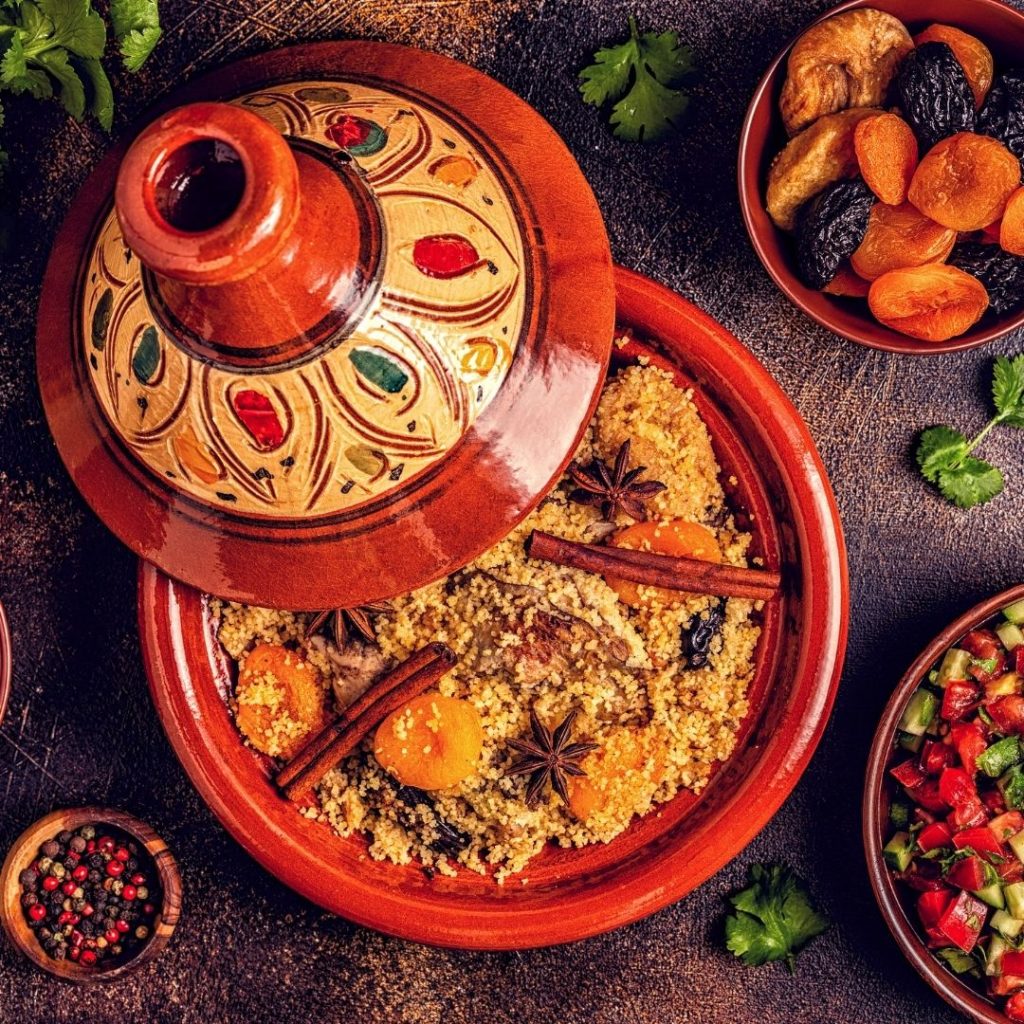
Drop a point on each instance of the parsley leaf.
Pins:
(1008, 390)
(773, 919)
(137, 29)
(642, 77)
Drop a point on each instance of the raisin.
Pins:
(696, 641)
(1002, 115)
(1000, 272)
(933, 303)
(935, 94)
(830, 229)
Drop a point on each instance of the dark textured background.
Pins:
(80, 726)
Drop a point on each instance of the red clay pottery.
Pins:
(760, 440)
(26, 848)
(6, 663)
(333, 337)
(897, 910)
(1001, 28)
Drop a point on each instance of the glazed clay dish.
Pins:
(680, 720)
(843, 169)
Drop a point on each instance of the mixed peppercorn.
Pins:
(91, 896)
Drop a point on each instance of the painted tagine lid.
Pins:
(329, 327)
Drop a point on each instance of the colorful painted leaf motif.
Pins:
(323, 94)
(101, 319)
(458, 171)
(480, 356)
(379, 368)
(146, 357)
(445, 256)
(357, 135)
(196, 458)
(259, 417)
(367, 460)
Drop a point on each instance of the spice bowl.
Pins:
(878, 788)
(1001, 28)
(6, 662)
(25, 852)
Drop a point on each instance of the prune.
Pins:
(935, 95)
(1011, 227)
(815, 158)
(933, 303)
(1000, 272)
(971, 53)
(845, 61)
(831, 228)
(900, 236)
(887, 156)
(1002, 115)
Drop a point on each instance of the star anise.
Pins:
(613, 489)
(549, 757)
(345, 621)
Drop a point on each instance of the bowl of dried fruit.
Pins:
(880, 177)
(89, 894)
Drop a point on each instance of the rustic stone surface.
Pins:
(80, 726)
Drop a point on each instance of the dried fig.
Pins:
(845, 61)
(934, 302)
(965, 181)
(830, 229)
(971, 54)
(815, 158)
(887, 156)
(900, 236)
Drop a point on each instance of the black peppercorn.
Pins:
(29, 877)
(64, 837)
(96, 861)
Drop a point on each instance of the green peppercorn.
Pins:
(87, 832)
(57, 869)
(141, 892)
(141, 932)
(45, 863)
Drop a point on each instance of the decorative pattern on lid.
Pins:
(362, 413)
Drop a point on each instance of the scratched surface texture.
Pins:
(80, 726)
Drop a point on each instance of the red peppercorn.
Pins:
(68, 887)
(138, 878)
(74, 857)
(114, 868)
(74, 952)
(112, 935)
(90, 846)
(88, 910)
(65, 917)
(121, 854)
(148, 908)
(105, 844)
(50, 883)
(80, 874)
(88, 958)
(128, 893)
(121, 925)
(37, 911)
(77, 938)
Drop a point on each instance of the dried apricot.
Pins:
(813, 160)
(845, 61)
(1011, 228)
(886, 149)
(900, 236)
(971, 54)
(847, 283)
(964, 181)
(934, 302)
(432, 742)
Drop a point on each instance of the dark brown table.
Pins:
(81, 728)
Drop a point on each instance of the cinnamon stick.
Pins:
(672, 572)
(409, 679)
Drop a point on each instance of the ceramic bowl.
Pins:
(761, 440)
(898, 913)
(6, 663)
(25, 850)
(1001, 28)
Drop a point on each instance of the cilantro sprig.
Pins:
(774, 918)
(642, 78)
(944, 454)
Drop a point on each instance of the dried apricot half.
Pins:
(934, 302)
(1011, 228)
(963, 182)
(847, 60)
(886, 149)
(970, 52)
(847, 283)
(900, 236)
(813, 160)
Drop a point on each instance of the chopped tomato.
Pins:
(956, 787)
(936, 755)
(934, 837)
(968, 874)
(1014, 1008)
(930, 906)
(989, 656)
(980, 840)
(1011, 870)
(936, 939)
(928, 796)
(920, 815)
(970, 742)
(959, 699)
(1004, 984)
(1007, 825)
(968, 815)
(1008, 713)
(924, 876)
(962, 921)
(1018, 660)
(993, 801)
(908, 773)
(1012, 962)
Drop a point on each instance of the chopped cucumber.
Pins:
(1000, 757)
(908, 741)
(1015, 613)
(992, 894)
(919, 712)
(899, 814)
(1014, 893)
(1011, 785)
(899, 851)
(954, 666)
(1011, 635)
(1017, 845)
(958, 961)
(997, 946)
(1007, 925)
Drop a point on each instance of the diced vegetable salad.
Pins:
(957, 840)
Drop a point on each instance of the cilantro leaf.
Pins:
(972, 482)
(136, 25)
(773, 919)
(77, 27)
(1008, 390)
(940, 448)
(642, 77)
(72, 91)
(102, 105)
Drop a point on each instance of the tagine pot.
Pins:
(329, 327)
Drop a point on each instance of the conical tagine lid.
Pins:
(329, 327)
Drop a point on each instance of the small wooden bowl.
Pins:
(1001, 28)
(6, 663)
(897, 911)
(25, 850)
